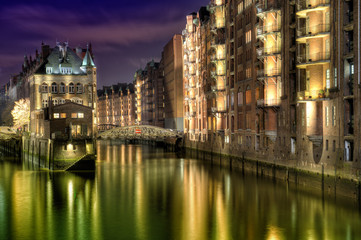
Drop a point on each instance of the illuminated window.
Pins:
(248, 36)
(80, 115)
(335, 78)
(66, 70)
(74, 115)
(240, 7)
(56, 115)
(328, 84)
(62, 115)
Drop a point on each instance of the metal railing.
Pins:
(313, 30)
(303, 4)
(268, 29)
(268, 51)
(314, 57)
(263, 6)
(268, 73)
(268, 102)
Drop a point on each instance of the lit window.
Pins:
(62, 115)
(74, 115)
(328, 84)
(56, 115)
(352, 70)
(240, 7)
(335, 76)
(66, 70)
(80, 115)
(248, 36)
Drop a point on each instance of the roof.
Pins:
(62, 57)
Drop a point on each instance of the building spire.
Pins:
(87, 60)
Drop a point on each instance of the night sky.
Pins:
(125, 35)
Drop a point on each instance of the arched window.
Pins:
(71, 88)
(61, 101)
(62, 88)
(79, 88)
(55, 102)
(44, 88)
(54, 88)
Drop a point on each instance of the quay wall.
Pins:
(330, 180)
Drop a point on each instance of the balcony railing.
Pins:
(218, 88)
(267, 51)
(304, 5)
(313, 30)
(264, 6)
(315, 57)
(268, 73)
(268, 102)
(261, 30)
(218, 110)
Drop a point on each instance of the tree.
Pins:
(21, 113)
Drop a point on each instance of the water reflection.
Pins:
(144, 193)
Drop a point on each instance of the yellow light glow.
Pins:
(69, 147)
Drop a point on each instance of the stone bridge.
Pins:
(143, 132)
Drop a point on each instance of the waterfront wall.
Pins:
(57, 154)
(324, 179)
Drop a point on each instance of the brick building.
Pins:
(149, 84)
(172, 63)
(116, 106)
(276, 79)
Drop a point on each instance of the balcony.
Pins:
(303, 6)
(218, 88)
(264, 52)
(313, 59)
(263, 103)
(316, 31)
(218, 110)
(265, 30)
(264, 7)
(263, 74)
(311, 95)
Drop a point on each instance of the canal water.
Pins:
(142, 192)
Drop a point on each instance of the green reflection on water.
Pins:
(144, 193)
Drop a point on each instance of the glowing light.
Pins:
(69, 147)
(21, 113)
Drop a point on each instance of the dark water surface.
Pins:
(140, 192)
